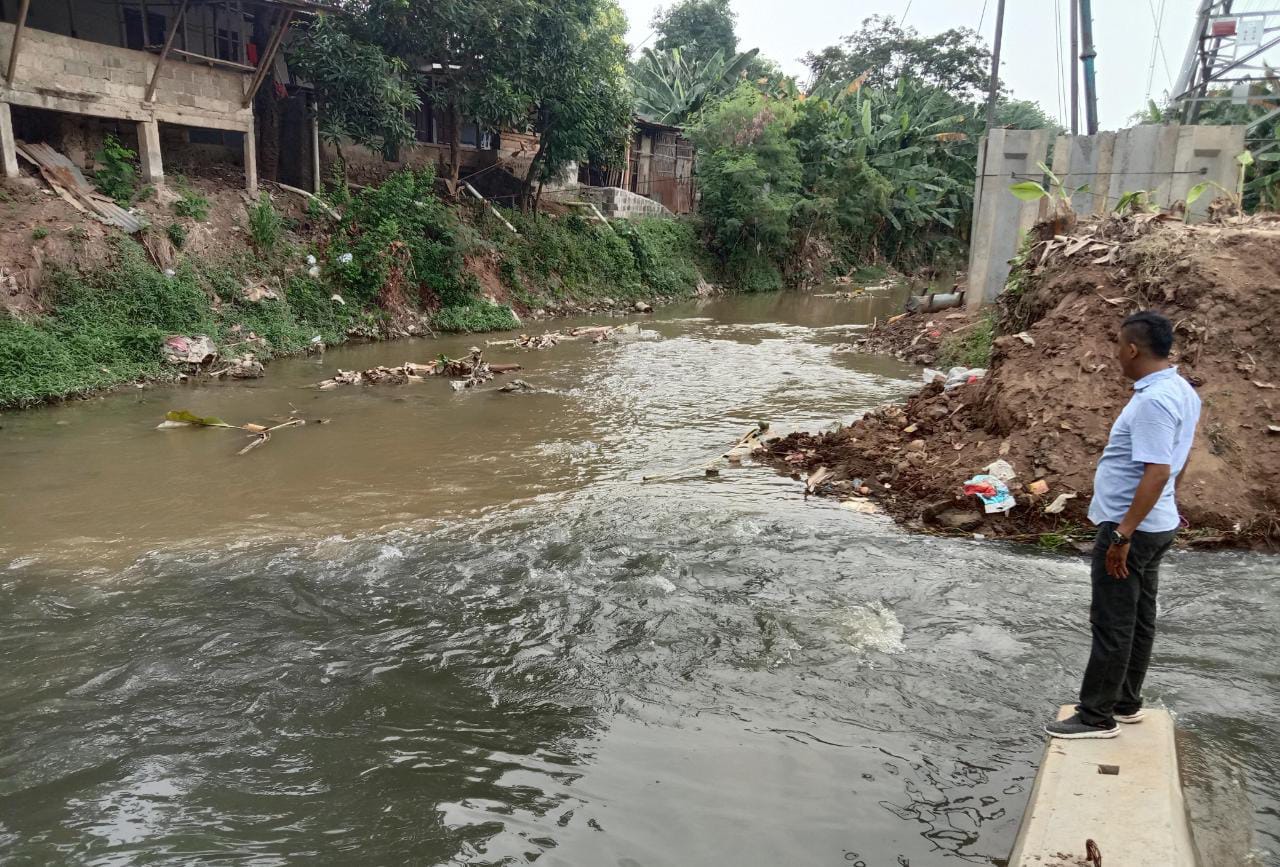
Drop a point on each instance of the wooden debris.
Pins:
(69, 182)
(594, 333)
(469, 371)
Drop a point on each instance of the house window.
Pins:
(423, 120)
(226, 45)
(473, 136)
(134, 37)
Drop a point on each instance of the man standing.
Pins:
(1133, 506)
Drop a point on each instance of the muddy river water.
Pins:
(457, 629)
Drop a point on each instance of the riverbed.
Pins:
(457, 628)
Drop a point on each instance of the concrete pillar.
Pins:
(317, 184)
(1005, 157)
(250, 161)
(149, 152)
(8, 150)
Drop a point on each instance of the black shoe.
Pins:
(1073, 728)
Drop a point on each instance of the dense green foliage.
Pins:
(955, 61)
(364, 93)
(116, 174)
(670, 86)
(874, 164)
(554, 66)
(699, 27)
(191, 202)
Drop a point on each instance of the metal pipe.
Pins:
(164, 52)
(1075, 67)
(1090, 79)
(17, 40)
(995, 67)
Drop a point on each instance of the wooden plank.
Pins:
(268, 57)
(1135, 817)
(17, 41)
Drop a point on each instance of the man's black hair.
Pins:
(1150, 330)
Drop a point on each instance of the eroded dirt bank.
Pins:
(1052, 389)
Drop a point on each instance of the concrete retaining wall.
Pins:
(1166, 161)
(620, 204)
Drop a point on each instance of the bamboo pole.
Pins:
(268, 57)
(17, 40)
(164, 52)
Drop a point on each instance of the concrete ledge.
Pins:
(1136, 816)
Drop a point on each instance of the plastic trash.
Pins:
(1002, 470)
(994, 493)
(955, 377)
(311, 260)
(345, 259)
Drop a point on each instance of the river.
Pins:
(457, 629)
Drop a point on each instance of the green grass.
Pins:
(969, 348)
(107, 327)
(475, 317)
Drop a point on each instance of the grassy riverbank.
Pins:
(398, 262)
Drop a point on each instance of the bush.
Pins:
(665, 254)
(473, 317)
(177, 234)
(400, 231)
(39, 233)
(191, 203)
(265, 225)
(115, 174)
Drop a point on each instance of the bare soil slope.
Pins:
(1053, 388)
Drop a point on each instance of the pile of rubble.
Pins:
(1042, 412)
(594, 333)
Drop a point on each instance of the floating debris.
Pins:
(469, 372)
(594, 333)
(260, 434)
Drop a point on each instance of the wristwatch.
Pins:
(1118, 538)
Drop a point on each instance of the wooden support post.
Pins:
(149, 151)
(17, 40)
(164, 52)
(269, 56)
(250, 161)
(8, 147)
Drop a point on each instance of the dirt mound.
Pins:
(921, 338)
(1053, 389)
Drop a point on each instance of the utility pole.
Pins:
(1087, 55)
(1075, 69)
(995, 67)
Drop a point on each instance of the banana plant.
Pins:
(669, 87)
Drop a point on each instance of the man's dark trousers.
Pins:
(1123, 617)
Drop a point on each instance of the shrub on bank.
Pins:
(474, 317)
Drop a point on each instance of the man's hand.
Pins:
(1118, 561)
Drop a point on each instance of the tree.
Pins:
(700, 28)
(669, 87)
(575, 73)
(955, 60)
(363, 93)
(463, 45)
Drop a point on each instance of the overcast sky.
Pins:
(1124, 33)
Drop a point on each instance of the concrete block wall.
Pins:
(59, 73)
(617, 203)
